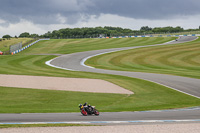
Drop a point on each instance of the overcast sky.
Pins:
(40, 16)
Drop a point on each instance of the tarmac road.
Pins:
(107, 118)
(76, 62)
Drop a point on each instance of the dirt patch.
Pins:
(58, 83)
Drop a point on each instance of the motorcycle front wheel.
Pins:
(83, 112)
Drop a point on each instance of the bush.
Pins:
(6, 36)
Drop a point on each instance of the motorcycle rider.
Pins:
(80, 106)
(87, 109)
(88, 106)
(85, 104)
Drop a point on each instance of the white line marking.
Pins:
(172, 88)
(49, 64)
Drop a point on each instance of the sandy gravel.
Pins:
(58, 83)
(158, 128)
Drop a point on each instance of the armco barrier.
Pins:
(19, 50)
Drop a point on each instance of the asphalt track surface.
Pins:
(75, 62)
(183, 115)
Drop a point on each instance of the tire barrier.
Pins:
(19, 50)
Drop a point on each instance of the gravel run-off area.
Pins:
(58, 83)
(156, 128)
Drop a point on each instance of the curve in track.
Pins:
(75, 62)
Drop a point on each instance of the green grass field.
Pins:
(5, 44)
(66, 46)
(41, 125)
(179, 59)
(148, 96)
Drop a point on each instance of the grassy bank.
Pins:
(179, 59)
(66, 46)
(5, 44)
(148, 96)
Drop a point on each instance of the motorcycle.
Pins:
(88, 110)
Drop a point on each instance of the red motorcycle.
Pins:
(88, 110)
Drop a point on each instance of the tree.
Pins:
(87, 32)
(145, 28)
(6, 36)
(178, 29)
(34, 35)
(25, 34)
(167, 29)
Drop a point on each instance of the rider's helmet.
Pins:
(80, 105)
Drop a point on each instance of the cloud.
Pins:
(94, 21)
(43, 11)
(136, 24)
(47, 11)
(148, 9)
(20, 27)
(53, 14)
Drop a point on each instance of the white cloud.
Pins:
(61, 19)
(125, 22)
(102, 20)
(2, 21)
(22, 26)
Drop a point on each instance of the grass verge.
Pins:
(40, 125)
(175, 59)
(5, 44)
(66, 46)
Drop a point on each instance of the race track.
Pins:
(140, 117)
(75, 62)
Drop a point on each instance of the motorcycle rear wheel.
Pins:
(96, 112)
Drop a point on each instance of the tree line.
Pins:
(107, 31)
